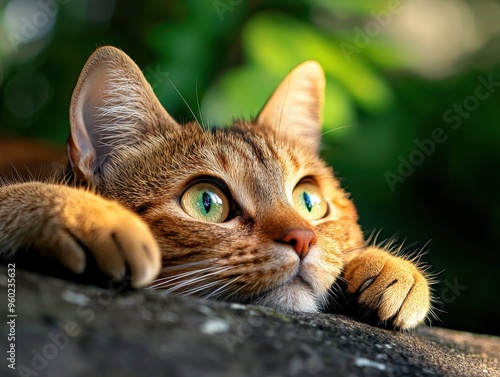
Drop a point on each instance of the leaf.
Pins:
(241, 91)
(279, 42)
(244, 90)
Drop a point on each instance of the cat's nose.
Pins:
(300, 239)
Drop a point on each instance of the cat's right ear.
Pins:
(112, 106)
(295, 109)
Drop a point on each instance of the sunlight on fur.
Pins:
(248, 213)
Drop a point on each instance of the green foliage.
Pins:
(270, 35)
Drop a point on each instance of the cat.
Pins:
(248, 213)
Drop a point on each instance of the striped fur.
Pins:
(130, 162)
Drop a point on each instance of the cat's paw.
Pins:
(116, 238)
(392, 287)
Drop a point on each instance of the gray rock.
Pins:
(66, 329)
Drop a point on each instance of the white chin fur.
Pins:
(294, 296)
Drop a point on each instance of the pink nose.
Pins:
(300, 239)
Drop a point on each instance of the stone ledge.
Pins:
(67, 329)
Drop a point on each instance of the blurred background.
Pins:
(411, 115)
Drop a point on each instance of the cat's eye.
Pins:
(205, 201)
(308, 201)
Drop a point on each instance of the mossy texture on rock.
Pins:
(66, 329)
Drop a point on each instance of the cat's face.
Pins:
(248, 213)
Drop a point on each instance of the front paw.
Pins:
(393, 287)
(116, 238)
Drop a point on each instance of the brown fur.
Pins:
(138, 162)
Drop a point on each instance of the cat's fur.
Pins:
(130, 163)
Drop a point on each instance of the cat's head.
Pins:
(248, 213)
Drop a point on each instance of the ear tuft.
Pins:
(112, 105)
(295, 109)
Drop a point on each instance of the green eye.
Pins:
(206, 202)
(309, 202)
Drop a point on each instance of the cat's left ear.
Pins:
(295, 109)
(112, 106)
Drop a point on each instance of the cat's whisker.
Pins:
(220, 295)
(336, 289)
(340, 128)
(258, 290)
(182, 277)
(197, 279)
(183, 267)
(205, 293)
(186, 266)
(331, 298)
(198, 101)
(201, 288)
(221, 289)
(170, 279)
(184, 274)
(279, 115)
(190, 272)
(235, 295)
(336, 129)
(312, 144)
(184, 100)
(356, 248)
(341, 278)
(182, 284)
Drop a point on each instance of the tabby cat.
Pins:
(248, 214)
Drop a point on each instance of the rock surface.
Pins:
(66, 329)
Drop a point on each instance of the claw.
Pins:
(392, 287)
